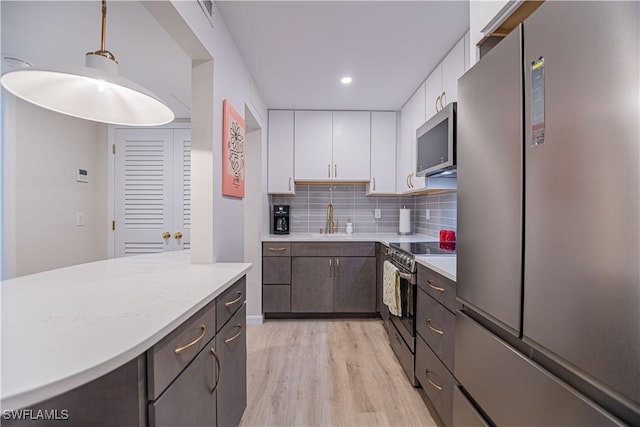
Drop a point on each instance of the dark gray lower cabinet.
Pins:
(312, 284)
(354, 289)
(276, 298)
(188, 401)
(231, 345)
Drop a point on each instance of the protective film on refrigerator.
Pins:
(537, 102)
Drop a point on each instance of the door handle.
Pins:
(437, 100)
(374, 183)
(437, 331)
(437, 288)
(408, 185)
(337, 267)
(289, 183)
(166, 235)
(277, 249)
(335, 170)
(178, 235)
(328, 171)
(411, 180)
(194, 342)
(443, 100)
(215, 355)
(230, 303)
(228, 340)
(330, 268)
(436, 386)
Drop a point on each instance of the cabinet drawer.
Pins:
(276, 299)
(464, 413)
(230, 301)
(334, 249)
(188, 401)
(276, 270)
(436, 380)
(231, 345)
(172, 354)
(436, 325)
(439, 287)
(276, 249)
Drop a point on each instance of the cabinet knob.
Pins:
(166, 235)
(178, 235)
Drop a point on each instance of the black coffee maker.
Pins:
(280, 219)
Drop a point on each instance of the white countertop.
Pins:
(66, 327)
(445, 265)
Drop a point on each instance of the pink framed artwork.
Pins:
(233, 129)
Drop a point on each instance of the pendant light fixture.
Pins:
(94, 92)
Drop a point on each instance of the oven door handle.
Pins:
(409, 277)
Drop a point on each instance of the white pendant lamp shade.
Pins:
(95, 92)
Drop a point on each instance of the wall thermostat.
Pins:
(82, 176)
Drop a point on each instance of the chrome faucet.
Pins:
(330, 229)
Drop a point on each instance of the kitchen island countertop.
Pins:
(66, 327)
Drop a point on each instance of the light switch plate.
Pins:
(376, 213)
(79, 219)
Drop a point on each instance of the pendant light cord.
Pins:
(103, 37)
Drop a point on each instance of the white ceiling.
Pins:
(297, 51)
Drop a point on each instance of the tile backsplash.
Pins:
(308, 212)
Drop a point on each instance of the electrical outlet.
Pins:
(79, 219)
(376, 213)
(428, 213)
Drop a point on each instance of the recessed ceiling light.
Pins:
(346, 80)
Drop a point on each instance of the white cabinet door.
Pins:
(452, 70)
(313, 146)
(152, 190)
(181, 189)
(412, 116)
(433, 92)
(383, 153)
(403, 161)
(351, 145)
(280, 157)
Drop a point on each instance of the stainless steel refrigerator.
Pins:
(549, 222)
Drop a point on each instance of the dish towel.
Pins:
(391, 288)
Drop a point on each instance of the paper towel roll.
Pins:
(405, 221)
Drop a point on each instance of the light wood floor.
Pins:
(327, 373)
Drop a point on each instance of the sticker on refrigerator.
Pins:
(537, 102)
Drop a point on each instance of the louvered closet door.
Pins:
(182, 187)
(143, 191)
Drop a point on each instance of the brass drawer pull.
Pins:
(213, 351)
(228, 340)
(194, 342)
(438, 331)
(277, 249)
(437, 288)
(230, 303)
(436, 386)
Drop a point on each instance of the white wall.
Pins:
(49, 148)
(231, 81)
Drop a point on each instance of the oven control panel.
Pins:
(402, 259)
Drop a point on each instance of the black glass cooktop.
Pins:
(427, 248)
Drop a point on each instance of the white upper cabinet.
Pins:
(452, 70)
(351, 146)
(442, 83)
(411, 117)
(383, 153)
(280, 163)
(332, 146)
(313, 145)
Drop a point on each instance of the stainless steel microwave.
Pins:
(436, 144)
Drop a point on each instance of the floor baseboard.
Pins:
(255, 320)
